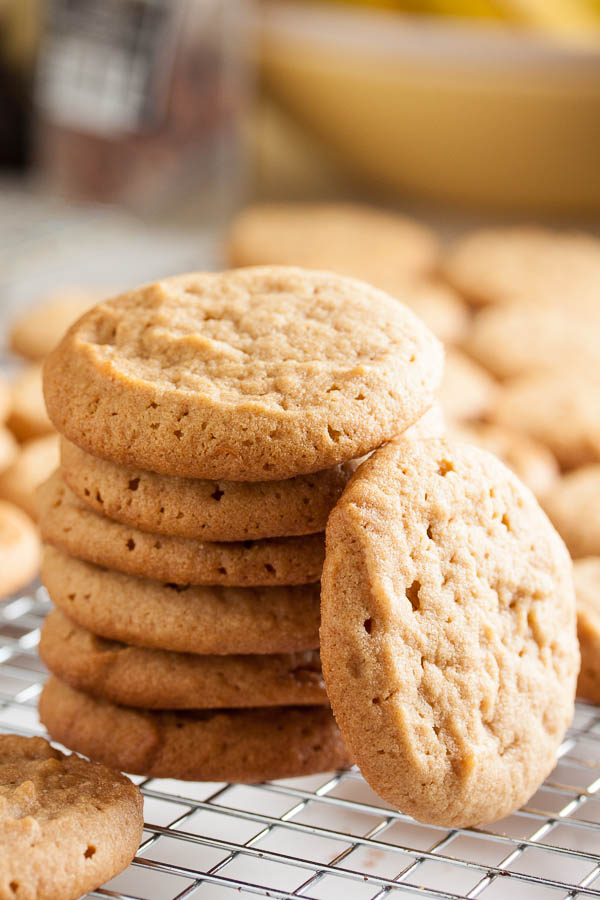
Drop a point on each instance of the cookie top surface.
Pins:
(573, 506)
(448, 631)
(66, 825)
(375, 245)
(468, 391)
(250, 375)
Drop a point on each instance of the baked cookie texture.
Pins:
(205, 510)
(448, 631)
(243, 745)
(67, 825)
(250, 375)
(211, 619)
(574, 508)
(67, 523)
(161, 679)
(34, 462)
(586, 575)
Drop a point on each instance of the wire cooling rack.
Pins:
(329, 836)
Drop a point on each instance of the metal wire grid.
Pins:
(329, 836)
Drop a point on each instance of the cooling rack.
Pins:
(329, 836)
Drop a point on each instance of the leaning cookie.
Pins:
(573, 505)
(586, 575)
(243, 745)
(448, 632)
(68, 825)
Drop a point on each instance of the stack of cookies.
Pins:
(209, 424)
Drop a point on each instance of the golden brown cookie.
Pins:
(251, 375)
(162, 679)
(376, 245)
(38, 330)
(440, 307)
(34, 463)
(586, 575)
(28, 417)
(211, 620)
(67, 825)
(9, 449)
(5, 400)
(76, 529)
(573, 505)
(448, 632)
(468, 392)
(19, 549)
(244, 745)
(207, 510)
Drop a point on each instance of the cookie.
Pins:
(242, 745)
(9, 449)
(28, 417)
(375, 245)
(467, 392)
(68, 825)
(532, 462)
(37, 331)
(19, 549)
(504, 265)
(559, 409)
(448, 632)
(207, 620)
(76, 529)
(5, 400)
(196, 508)
(586, 575)
(252, 375)
(160, 679)
(518, 339)
(441, 308)
(573, 505)
(34, 463)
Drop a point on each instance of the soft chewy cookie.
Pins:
(34, 463)
(161, 679)
(468, 392)
(37, 331)
(252, 375)
(586, 575)
(72, 526)
(66, 825)
(375, 245)
(244, 745)
(19, 549)
(216, 620)
(448, 631)
(28, 417)
(501, 265)
(197, 508)
(573, 505)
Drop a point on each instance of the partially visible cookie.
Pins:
(448, 632)
(376, 245)
(532, 462)
(35, 461)
(9, 449)
(67, 825)
(5, 400)
(559, 409)
(211, 620)
(206, 510)
(467, 392)
(162, 679)
(243, 745)
(501, 265)
(28, 417)
(441, 308)
(573, 505)
(586, 575)
(250, 375)
(19, 549)
(67, 523)
(38, 330)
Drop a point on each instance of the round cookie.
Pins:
(9, 449)
(38, 330)
(206, 620)
(242, 745)
(573, 505)
(251, 375)
(28, 417)
(19, 549)
(378, 246)
(559, 409)
(532, 462)
(448, 632)
(206, 510)
(501, 265)
(161, 679)
(34, 463)
(68, 524)
(586, 575)
(68, 825)
(467, 391)
(441, 308)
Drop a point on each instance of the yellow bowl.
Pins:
(449, 110)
